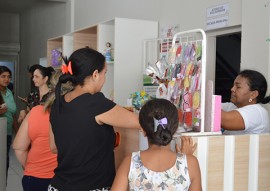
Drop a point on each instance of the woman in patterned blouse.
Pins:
(41, 78)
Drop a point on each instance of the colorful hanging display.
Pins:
(179, 79)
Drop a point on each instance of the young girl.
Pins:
(158, 168)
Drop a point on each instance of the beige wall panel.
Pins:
(215, 163)
(264, 163)
(241, 163)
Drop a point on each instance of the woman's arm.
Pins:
(52, 142)
(121, 179)
(119, 117)
(22, 142)
(232, 120)
(194, 173)
(22, 114)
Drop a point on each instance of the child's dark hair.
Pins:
(158, 109)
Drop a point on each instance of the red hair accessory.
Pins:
(67, 68)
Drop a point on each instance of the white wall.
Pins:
(188, 14)
(255, 32)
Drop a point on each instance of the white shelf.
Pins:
(124, 75)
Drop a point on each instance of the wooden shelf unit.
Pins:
(85, 37)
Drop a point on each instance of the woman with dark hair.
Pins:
(8, 110)
(245, 114)
(82, 123)
(41, 79)
(158, 168)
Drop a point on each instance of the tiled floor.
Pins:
(15, 174)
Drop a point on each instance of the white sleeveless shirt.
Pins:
(174, 179)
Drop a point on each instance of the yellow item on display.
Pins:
(196, 100)
(188, 68)
(186, 82)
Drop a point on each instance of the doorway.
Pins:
(228, 58)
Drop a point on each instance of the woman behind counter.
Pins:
(245, 114)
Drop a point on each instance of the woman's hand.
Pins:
(3, 109)
(187, 145)
(21, 116)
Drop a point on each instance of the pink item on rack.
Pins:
(216, 113)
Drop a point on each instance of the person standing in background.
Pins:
(31, 144)
(41, 78)
(9, 109)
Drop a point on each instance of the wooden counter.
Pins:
(230, 163)
(227, 162)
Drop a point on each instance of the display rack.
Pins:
(179, 64)
(188, 40)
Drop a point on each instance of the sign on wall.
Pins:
(217, 16)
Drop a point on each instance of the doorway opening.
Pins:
(228, 58)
